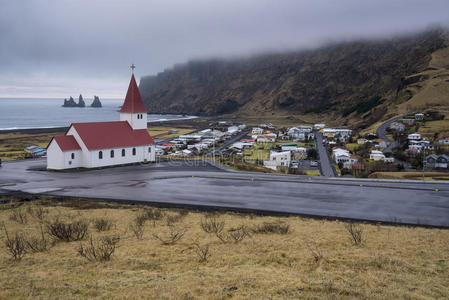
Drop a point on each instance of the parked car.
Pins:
(314, 163)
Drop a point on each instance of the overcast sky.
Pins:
(61, 48)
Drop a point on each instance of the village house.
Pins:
(341, 133)
(419, 116)
(278, 159)
(408, 122)
(101, 144)
(443, 141)
(397, 127)
(435, 161)
(414, 136)
(362, 141)
(319, 126)
(376, 155)
(380, 143)
(257, 131)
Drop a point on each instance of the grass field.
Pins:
(410, 175)
(156, 130)
(12, 145)
(259, 257)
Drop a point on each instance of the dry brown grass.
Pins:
(410, 175)
(316, 259)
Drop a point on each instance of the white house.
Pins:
(100, 144)
(419, 116)
(376, 155)
(278, 159)
(414, 136)
(257, 131)
(342, 132)
(319, 126)
(443, 141)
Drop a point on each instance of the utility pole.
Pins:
(423, 161)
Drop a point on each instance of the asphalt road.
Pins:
(199, 184)
(381, 134)
(229, 142)
(325, 163)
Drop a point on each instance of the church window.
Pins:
(112, 153)
(134, 151)
(73, 155)
(100, 155)
(149, 150)
(123, 152)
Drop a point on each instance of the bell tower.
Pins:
(133, 109)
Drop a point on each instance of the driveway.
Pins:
(325, 161)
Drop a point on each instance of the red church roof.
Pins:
(133, 102)
(103, 135)
(66, 143)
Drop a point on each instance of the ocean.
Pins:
(24, 113)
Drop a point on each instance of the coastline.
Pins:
(65, 128)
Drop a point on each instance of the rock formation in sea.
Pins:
(96, 102)
(70, 103)
(81, 102)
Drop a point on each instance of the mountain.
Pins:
(359, 80)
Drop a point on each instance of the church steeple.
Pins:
(133, 109)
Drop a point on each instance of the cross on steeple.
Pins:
(132, 67)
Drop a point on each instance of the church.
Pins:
(102, 144)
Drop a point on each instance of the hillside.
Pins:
(360, 81)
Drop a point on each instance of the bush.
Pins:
(235, 235)
(356, 233)
(202, 252)
(99, 250)
(211, 224)
(19, 215)
(39, 244)
(38, 212)
(272, 227)
(103, 224)
(68, 232)
(15, 245)
(171, 237)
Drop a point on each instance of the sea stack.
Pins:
(96, 102)
(70, 102)
(81, 102)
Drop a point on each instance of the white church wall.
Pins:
(55, 156)
(118, 159)
(76, 161)
(86, 155)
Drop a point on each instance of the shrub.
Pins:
(19, 215)
(234, 235)
(39, 244)
(137, 228)
(171, 237)
(356, 233)
(202, 252)
(212, 224)
(68, 232)
(103, 224)
(38, 212)
(15, 245)
(272, 227)
(99, 250)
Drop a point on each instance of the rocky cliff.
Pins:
(347, 79)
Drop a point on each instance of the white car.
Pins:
(314, 163)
